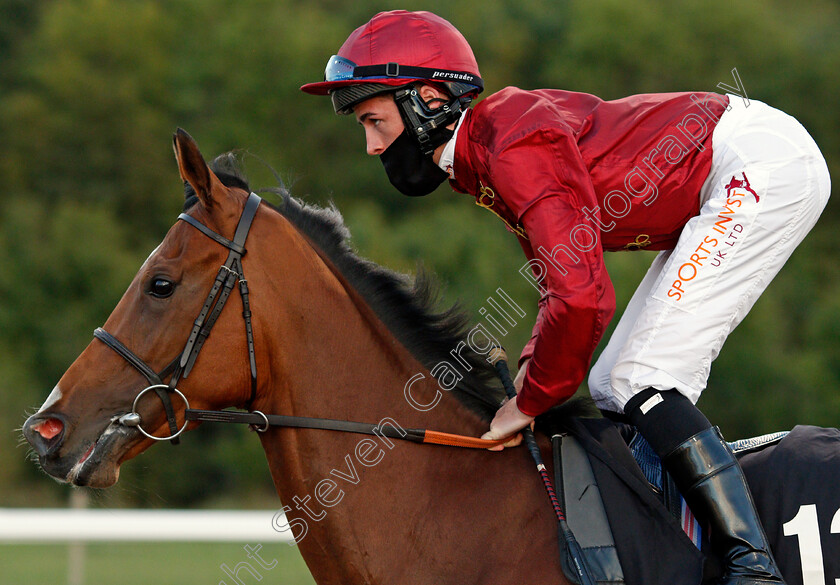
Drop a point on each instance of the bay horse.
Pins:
(333, 336)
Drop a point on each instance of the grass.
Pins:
(150, 563)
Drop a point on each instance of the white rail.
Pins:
(43, 525)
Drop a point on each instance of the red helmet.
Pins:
(395, 49)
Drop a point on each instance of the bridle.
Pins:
(229, 274)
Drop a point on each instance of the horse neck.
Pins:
(331, 357)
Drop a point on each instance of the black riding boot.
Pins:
(712, 482)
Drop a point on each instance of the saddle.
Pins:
(626, 513)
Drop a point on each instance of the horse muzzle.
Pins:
(90, 462)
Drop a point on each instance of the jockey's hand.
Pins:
(509, 419)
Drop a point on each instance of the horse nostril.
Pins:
(44, 434)
(49, 428)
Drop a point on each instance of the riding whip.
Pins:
(568, 542)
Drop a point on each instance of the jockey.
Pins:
(723, 186)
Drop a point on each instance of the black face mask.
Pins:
(409, 170)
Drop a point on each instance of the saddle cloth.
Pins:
(792, 475)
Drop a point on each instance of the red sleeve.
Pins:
(548, 194)
(528, 350)
(578, 304)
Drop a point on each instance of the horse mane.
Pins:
(407, 306)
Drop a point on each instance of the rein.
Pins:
(229, 274)
(261, 422)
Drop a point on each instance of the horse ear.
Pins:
(193, 168)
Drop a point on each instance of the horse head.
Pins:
(78, 433)
(319, 333)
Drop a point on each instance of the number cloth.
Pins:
(793, 482)
(794, 485)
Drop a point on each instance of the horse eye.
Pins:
(162, 288)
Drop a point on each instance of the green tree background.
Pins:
(91, 91)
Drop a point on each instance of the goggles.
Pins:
(339, 69)
(343, 69)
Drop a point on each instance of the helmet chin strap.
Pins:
(425, 125)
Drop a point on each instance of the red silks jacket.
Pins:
(573, 175)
